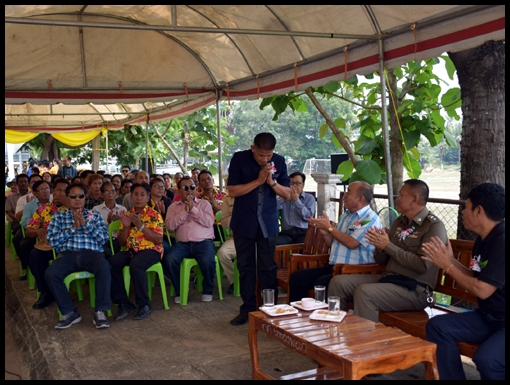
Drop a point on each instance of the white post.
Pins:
(326, 190)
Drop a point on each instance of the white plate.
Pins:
(317, 306)
(323, 316)
(271, 311)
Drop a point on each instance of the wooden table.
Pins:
(354, 347)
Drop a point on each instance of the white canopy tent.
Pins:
(74, 68)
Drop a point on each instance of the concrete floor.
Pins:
(185, 342)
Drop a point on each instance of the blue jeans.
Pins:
(446, 330)
(72, 261)
(202, 252)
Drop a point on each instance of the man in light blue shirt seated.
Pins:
(346, 239)
(295, 211)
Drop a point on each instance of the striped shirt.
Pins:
(355, 224)
(63, 236)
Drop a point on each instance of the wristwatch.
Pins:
(330, 229)
(274, 184)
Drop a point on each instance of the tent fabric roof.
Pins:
(112, 64)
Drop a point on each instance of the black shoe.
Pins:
(241, 319)
(67, 320)
(45, 299)
(143, 312)
(230, 290)
(100, 320)
(124, 310)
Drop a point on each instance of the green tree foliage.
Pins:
(416, 95)
(298, 134)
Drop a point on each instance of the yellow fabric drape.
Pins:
(69, 138)
(76, 138)
(12, 136)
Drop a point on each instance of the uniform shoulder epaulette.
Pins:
(431, 217)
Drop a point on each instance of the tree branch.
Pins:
(333, 127)
(352, 102)
(174, 154)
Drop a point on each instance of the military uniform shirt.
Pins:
(403, 254)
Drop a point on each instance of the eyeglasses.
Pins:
(43, 190)
(159, 186)
(296, 183)
(125, 170)
(186, 188)
(74, 196)
(109, 192)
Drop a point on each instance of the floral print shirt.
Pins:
(43, 214)
(136, 240)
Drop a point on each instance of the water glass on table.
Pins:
(268, 297)
(333, 307)
(319, 292)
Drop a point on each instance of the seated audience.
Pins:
(38, 227)
(94, 196)
(346, 239)
(141, 231)
(227, 252)
(41, 196)
(110, 211)
(193, 221)
(408, 279)
(78, 235)
(295, 211)
(485, 215)
(141, 177)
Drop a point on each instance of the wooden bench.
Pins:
(312, 253)
(414, 322)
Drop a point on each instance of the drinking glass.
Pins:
(268, 297)
(333, 307)
(319, 294)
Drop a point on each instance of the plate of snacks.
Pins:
(323, 315)
(278, 310)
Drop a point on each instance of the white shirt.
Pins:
(104, 211)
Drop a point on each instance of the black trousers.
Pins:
(255, 258)
(301, 281)
(138, 263)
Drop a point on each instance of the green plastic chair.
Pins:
(114, 226)
(92, 287)
(186, 266)
(30, 276)
(157, 268)
(224, 236)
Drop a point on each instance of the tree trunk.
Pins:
(481, 73)
(397, 154)
(47, 147)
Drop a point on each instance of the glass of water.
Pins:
(319, 294)
(333, 307)
(268, 297)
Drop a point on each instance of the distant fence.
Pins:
(445, 209)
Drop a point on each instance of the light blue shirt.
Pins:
(351, 224)
(296, 214)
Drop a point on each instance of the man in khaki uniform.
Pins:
(408, 277)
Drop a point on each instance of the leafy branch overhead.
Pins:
(416, 99)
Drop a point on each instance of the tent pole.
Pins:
(218, 122)
(384, 119)
(147, 145)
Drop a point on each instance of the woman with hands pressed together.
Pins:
(141, 231)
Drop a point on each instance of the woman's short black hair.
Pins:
(144, 185)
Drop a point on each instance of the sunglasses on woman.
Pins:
(74, 196)
(186, 188)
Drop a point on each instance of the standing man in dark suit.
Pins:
(256, 177)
